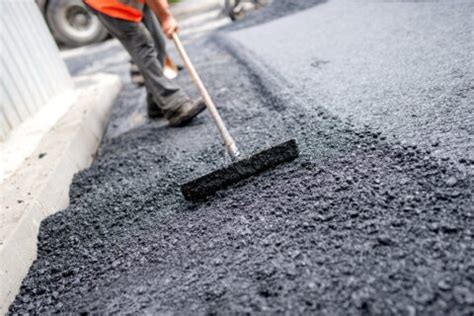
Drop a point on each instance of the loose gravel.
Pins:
(356, 225)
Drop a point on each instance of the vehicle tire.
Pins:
(72, 24)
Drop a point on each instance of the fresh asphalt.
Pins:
(403, 67)
(361, 223)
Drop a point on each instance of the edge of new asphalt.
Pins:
(271, 85)
(40, 185)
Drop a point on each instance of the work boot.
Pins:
(152, 109)
(136, 75)
(170, 70)
(134, 70)
(189, 110)
(138, 80)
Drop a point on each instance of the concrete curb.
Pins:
(40, 187)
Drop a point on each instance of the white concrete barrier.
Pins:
(32, 72)
(40, 185)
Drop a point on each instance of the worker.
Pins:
(170, 69)
(123, 19)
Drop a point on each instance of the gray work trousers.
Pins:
(153, 25)
(137, 39)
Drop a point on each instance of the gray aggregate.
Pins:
(361, 223)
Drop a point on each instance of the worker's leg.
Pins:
(153, 26)
(138, 42)
(151, 23)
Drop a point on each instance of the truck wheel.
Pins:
(72, 24)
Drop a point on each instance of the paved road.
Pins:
(359, 224)
(403, 67)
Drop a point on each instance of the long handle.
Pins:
(229, 142)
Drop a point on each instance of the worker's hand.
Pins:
(169, 25)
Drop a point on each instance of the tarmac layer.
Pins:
(408, 72)
(357, 224)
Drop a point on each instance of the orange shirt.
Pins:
(129, 10)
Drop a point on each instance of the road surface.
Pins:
(403, 67)
(359, 224)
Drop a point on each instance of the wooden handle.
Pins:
(229, 142)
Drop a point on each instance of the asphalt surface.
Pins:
(359, 224)
(403, 67)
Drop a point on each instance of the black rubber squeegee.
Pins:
(240, 168)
